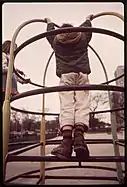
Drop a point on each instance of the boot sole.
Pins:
(81, 152)
(60, 156)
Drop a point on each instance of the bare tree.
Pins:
(15, 121)
(98, 99)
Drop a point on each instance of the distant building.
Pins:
(119, 71)
(118, 97)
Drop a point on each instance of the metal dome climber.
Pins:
(6, 115)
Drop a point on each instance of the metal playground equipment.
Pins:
(13, 157)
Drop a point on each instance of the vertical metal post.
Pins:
(115, 139)
(113, 125)
(42, 139)
(6, 104)
(112, 116)
(42, 131)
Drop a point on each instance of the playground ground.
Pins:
(14, 168)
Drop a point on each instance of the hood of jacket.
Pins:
(68, 37)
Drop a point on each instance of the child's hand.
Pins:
(90, 17)
(20, 72)
(47, 20)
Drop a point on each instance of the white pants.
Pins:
(74, 105)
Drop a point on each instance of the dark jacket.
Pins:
(71, 56)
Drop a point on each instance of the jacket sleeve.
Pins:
(88, 35)
(50, 27)
(4, 63)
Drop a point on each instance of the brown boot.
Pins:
(64, 150)
(80, 146)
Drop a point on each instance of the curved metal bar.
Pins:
(100, 14)
(102, 64)
(64, 30)
(94, 167)
(44, 77)
(20, 175)
(114, 79)
(6, 104)
(60, 167)
(67, 88)
(109, 13)
(45, 69)
(104, 111)
(57, 114)
(113, 119)
(32, 83)
(27, 42)
(36, 113)
(96, 30)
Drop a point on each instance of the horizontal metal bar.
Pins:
(57, 168)
(36, 113)
(107, 82)
(22, 174)
(53, 89)
(88, 141)
(13, 158)
(121, 144)
(16, 184)
(23, 143)
(30, 176)
(105, 111)
(59, 141)
(51, 142)
(88, 167)
(81, 177)
(22, 150)
(71, 177)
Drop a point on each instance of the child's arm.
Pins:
(50, 27)
(87, 23)
(4, 63)
(20, 72)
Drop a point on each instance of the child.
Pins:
(72, 67)
(5, 60)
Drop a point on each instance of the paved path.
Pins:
(95, 150)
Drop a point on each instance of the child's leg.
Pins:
(67, 106)
(64, 150)
(82, 103)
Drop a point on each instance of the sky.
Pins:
(33, 58)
